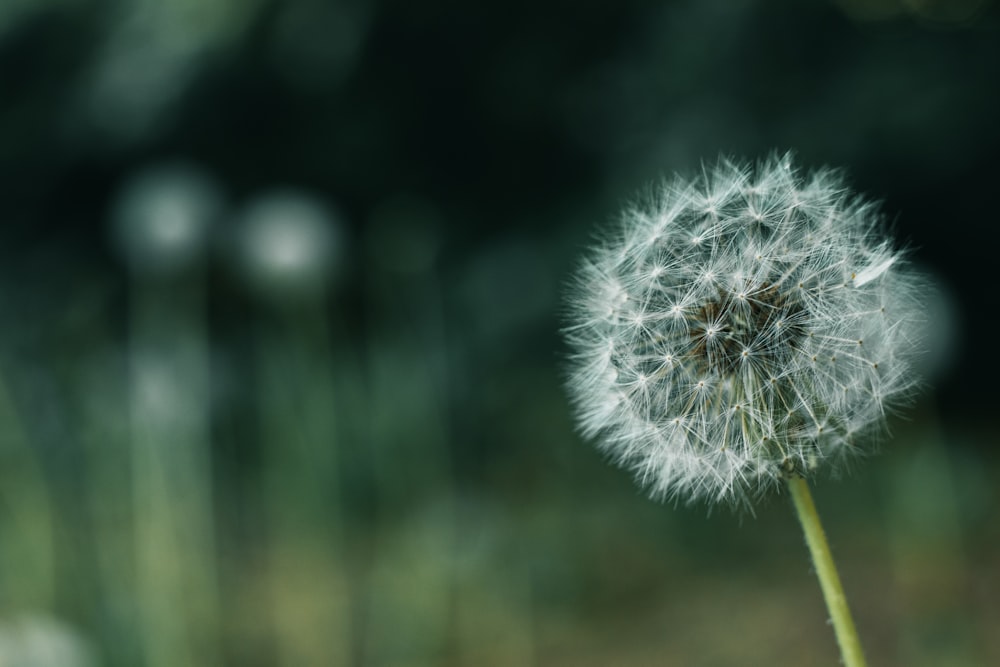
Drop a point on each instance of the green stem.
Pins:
(826, 571)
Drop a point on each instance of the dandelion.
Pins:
(162, 218)
(743, 329)
(288, 243)
(287, 247)
(161, 223)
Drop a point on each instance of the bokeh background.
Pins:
(280, 355)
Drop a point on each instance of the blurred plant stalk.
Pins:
(173, 513)
(100, 387)
(27, 548)
(411, 601)
(926, 523)
(297, 409)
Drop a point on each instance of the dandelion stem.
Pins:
(826, 571)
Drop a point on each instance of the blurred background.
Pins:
(280, 366)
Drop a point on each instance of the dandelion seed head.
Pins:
(747, 325)
(161, 219)
(288, 242)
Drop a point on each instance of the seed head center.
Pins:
(759, 322)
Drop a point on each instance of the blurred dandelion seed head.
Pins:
(162, 217)
(30, 640)
(288, 242)
(746, 325)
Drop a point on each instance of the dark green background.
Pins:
(469, 151)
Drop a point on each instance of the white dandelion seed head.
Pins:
(162, 217)
(288, 242)
(747, 325)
